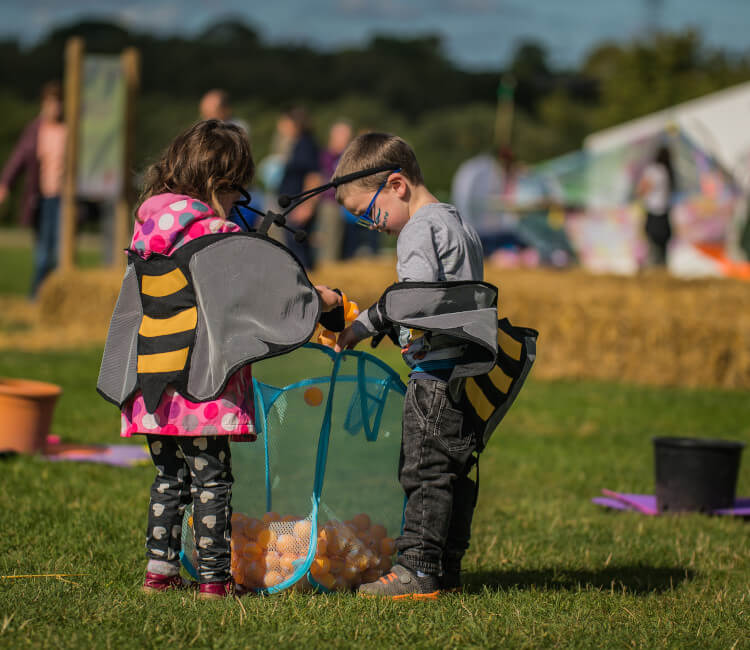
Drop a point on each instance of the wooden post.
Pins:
(73, 72)
(130, 60)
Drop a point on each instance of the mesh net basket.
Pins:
(316, 499)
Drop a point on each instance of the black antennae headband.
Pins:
(288, 203)
(285, 200)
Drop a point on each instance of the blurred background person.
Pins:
(215, 105)
(655, 187)
(301, 171)
(357, 240)
(330, 234)
(39, 154)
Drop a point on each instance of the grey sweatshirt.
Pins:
(435, 245)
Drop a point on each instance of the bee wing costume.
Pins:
(497, 356)
(191, 320)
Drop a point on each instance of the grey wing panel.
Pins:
(408, 302)
(480, 324)
(118, 371)
(253, 299)
(468, 310)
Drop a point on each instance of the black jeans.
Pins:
(659, 232)
(437, 453)
(197, 469)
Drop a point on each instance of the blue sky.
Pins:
(476, 33)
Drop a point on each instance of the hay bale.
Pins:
(649, 329)
(86, 296)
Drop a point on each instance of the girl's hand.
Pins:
(329, 297)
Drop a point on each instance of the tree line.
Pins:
(405, 85)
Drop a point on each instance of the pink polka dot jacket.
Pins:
(166, 222)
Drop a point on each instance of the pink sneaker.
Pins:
(156, 582)
(219, 590)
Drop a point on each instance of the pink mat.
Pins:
(118, 455)
(646, 504)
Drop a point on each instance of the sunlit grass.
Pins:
(546, 567)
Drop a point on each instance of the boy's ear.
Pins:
(399, 185)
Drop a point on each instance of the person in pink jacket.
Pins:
(39, 156)
(189, 194)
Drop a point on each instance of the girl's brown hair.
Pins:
(210, 158)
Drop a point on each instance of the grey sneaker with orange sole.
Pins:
(401, 584)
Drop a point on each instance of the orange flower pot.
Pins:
(26, 409)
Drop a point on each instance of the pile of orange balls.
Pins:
(267, 551)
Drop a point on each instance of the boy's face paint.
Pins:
(380, 220)
(368, 215)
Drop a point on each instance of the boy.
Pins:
(438, 443)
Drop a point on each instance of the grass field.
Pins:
(546, 567)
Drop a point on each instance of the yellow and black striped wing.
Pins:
(488, 397)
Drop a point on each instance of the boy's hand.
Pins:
(349, 338)
(329, 297)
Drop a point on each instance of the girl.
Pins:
(188, 194)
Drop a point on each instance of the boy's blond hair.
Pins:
(376, 150)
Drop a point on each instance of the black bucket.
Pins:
(694, 474)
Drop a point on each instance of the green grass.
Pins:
(546, 567)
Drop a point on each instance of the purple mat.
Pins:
(646, 504)
(119, 455)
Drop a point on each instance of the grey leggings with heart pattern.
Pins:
(197, 469)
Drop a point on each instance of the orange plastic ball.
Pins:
(387, 546)
(252, 527)
(254, 570)
(350, 572)
(334, 543)
(327, 580)
(378, 531)
(286, 563)
(272, 560)
(302, 530)
(251, 549)
(266, 538)
(337, 565)
(320, 566)
(361, 521)
(272, 578)
(313, 396)
(286, 544)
